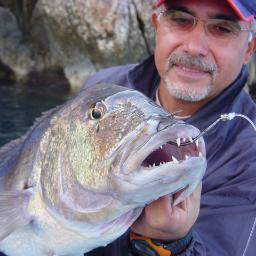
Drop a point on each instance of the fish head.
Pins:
(107, 154)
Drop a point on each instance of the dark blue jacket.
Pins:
(228, 204)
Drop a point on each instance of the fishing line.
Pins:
(230, 116)
(223, 117)
(250, 237)
(227, 117)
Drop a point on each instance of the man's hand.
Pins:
(160, 220)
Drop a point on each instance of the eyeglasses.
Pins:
(220, 29)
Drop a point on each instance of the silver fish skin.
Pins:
(82, 174)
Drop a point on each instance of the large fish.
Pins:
(81, 175)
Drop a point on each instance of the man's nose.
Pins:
(197, 41)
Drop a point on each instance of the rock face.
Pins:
(77, 37)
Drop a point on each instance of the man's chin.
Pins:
(188, 94)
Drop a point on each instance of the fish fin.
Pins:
(13, 213)
(9, 154)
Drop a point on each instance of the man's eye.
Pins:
(179, 19)
(222, 29)
(182, 21)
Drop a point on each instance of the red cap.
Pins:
(245, 9)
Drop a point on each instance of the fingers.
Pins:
(163, 221)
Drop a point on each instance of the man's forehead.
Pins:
(241, 9)
(209, 9)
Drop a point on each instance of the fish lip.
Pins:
(137, 154)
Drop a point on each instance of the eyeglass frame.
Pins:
(161, 12)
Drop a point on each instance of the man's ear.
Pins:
(154, 20)
(250, 50)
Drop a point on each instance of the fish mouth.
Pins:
(168, 152)
(155, 163)
(160, 149)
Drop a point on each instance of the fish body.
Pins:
(82, 174)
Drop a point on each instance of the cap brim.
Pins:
(240, 10)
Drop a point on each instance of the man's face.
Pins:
(195, 65)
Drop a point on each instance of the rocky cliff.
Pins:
(72, 38)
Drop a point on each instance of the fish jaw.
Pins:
(151, 164)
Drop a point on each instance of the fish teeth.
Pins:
(175, 160)
(197, 143)
(190, 139)
(186, 157)
(200, 153)
(178, 141)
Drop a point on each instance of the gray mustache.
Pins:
(192, 62)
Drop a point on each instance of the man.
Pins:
(198, 71)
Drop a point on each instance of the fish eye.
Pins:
(95, 113)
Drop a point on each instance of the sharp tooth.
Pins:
(154, 165)
(186, 157)
(197, 143)
(178, 142)
(200, 153)
(190, 139)
(184, 139)
(175, 160)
